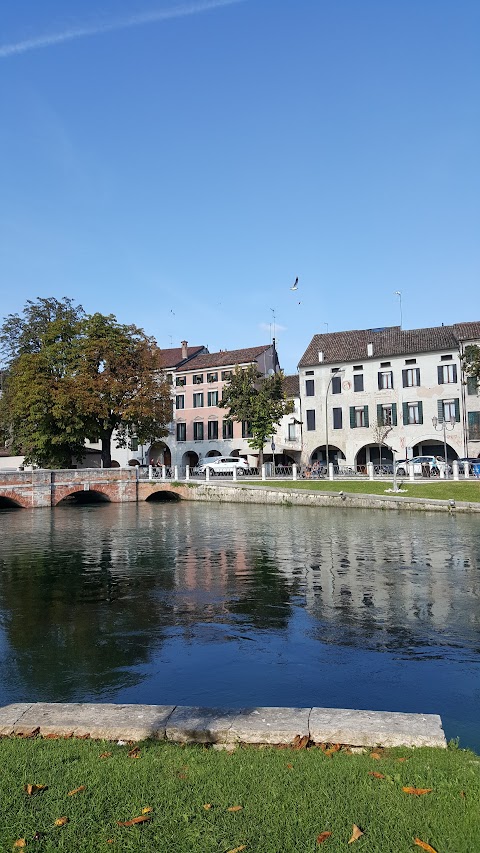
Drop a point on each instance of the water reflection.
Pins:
(242, 605)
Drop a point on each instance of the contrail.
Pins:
(193, 8)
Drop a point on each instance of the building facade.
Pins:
(365, 392)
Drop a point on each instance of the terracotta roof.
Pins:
(174, 357)
(227, 358)
(292, 385)
(389, 341)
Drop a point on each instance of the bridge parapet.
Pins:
(47, 488)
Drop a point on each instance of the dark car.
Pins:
(467, 460)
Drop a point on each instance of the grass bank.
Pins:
(441, 490)
(264, 800)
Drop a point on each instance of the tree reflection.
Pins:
(267, 601)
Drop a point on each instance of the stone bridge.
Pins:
(48, 488)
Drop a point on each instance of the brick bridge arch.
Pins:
(13, 499)
(63, 492)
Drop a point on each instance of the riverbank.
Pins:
(161, 796)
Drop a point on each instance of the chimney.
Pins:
(320, 356)
(369, 349)
(184, 349)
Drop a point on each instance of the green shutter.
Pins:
(405, 413)
(454, 372)
(440, 412)
(365, 415)
(457, 409)
(417, 370)
(352, 417)
(440, 374)
(420, 412)
(404, 378)
(471, 385)
(394, 414)
(379, 414)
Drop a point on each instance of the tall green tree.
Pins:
(259, 400)
(471, 362)
(71, 376)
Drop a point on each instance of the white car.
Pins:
(419, 463)
(224, 465)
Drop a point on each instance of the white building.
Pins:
(361, 387)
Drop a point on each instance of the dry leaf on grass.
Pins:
(135, 752)
(83, 737)
(425, 846)
(463, 794)
(300, 742)
(147, 810)
(323, 837)
(141, 819)
(417, 791)
(51, 736)
(376, 775)
(76, 791)
(332, 749)
(402, 759)
(207, 806)
(105, 755)
(61, 821)
(235, 809)
(238, 849)
(29, 733)
(356, 833)
(376, 755)
(20, 843)
(34, 789)
(290, 766)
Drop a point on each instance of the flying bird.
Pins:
(295, 284)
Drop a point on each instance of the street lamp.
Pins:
(444, 425)
(339, 371)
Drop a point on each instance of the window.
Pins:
(181, 380)
(387, 414)
(180, 401)
(198, 431)
(134, 444)
(446, 357)
(292, 432)
(385, 380)
(212, 398)
(198, 379)
(226, 374)
(337, 419)
(358, 382)
(309, 373)
(447, 373)
(198, 400)
(181, 432)
(472, 385)
(474, 426)
(361, 416)
(411, 377)
(227, 429)
(212, 377)
(212, 430)
(170, 378)
(358, 366)
(413, 413)
(337, 385)
(310, 419)
(246, 429)
(410, 361)
(448, 410)
(310, 387)
(385, 363)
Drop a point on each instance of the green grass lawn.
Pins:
(442, 489)
(287, 797)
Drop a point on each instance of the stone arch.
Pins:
(434, 447)
(8, 502)
(190, 458)
(370, 452)
(163, 496)
(212, 453)
(79, 495)
(320, 453)
(159, 454)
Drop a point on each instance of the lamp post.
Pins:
(339, 372)
(444, 425)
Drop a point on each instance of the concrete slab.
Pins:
(101, 722)
(270, 725)
(375, 728)
(200, 725)
(10, 715)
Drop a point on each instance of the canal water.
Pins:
(235, 605)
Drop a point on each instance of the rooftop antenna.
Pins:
(273, 321)
(326, 324)
(171, 340)
(399, 294)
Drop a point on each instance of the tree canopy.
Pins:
(72, 376)
(259, 400)
(471, 362)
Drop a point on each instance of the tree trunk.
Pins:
(107, 449)
(260, 458)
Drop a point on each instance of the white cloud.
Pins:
(49, 40)
(268, 327)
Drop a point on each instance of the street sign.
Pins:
(273, 446)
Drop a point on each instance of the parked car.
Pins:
(224, 465)
(419, 463)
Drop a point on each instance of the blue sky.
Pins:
(178, 164)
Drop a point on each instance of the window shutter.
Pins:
(352, 417)
(420, 412)
(379, 414)
(404, 378)
(454, 372)
(394, 414)
(457, 406)
(379, 381)
(365, 415)
(391, 378)
(440, 410)
(417, 371)
(405, 413)
(440, 374)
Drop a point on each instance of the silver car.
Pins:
(224, 465)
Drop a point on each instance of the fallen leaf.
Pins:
(332, 749)
(29, 733)
(105, 755)
(51, 736)
(207, 806)
(323, 837)
(425, 846)
(135, 752)
(61, 821)
(290, 766)
(356, 833)
(34, 789)
(375, 755)
(238, 849)
(417, 791)
(376, 775)
(402, 759)
(300, 742)
(462, 794)
(235, 809)
(20, 843)
(76, 791)
(147, 810)
(83, 737)
(141, 819)
(110, 841)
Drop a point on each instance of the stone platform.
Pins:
(182, 724)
